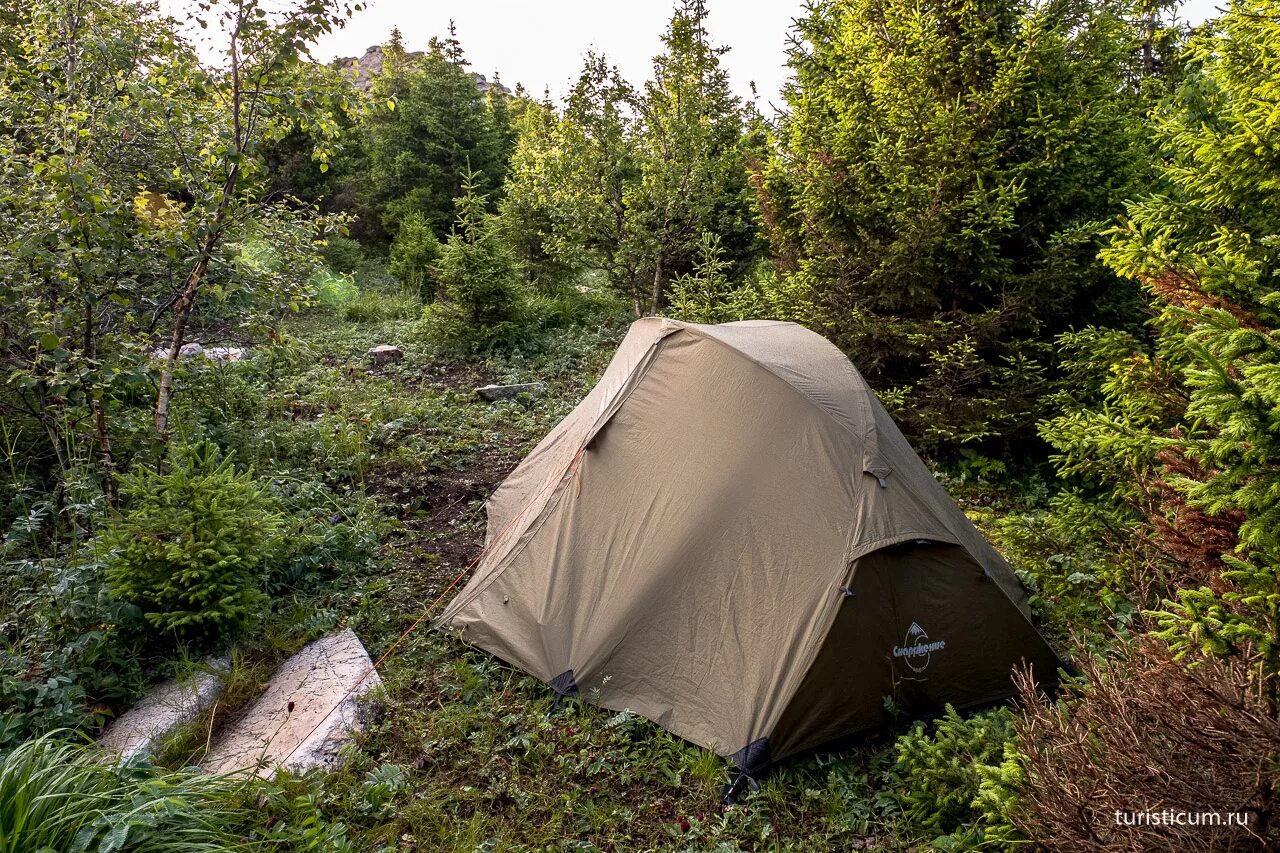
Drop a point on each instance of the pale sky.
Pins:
(540, 43)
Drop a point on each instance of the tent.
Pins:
(730, 536)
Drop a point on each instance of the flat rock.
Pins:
(306, 713)
(140, 730)
(385, 354)
(506, 392)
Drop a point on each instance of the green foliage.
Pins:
(414, 254)
(941, 176)
(427, 126)
(64, 662)
(57, 796)
(629, 181)
(939, 769)
(480, 299)
(375, 306)
(1185, 433)
(333, 289)
(192, 549)
(708, 295)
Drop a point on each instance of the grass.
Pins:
(61, 796)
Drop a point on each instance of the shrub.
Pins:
(1147, 732)
(413, 257)
(375, 307)
(192, 550)
(63, 660)
(343, 254)
(937, 773)
(333, 288)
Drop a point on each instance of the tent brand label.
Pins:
(917, 648)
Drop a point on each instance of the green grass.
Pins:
(62, 796)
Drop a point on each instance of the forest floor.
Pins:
(463, 752)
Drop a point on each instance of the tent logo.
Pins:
(916, 649)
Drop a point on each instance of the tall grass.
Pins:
(57, 796)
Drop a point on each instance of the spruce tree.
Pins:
(1187, 434)
(428, 123)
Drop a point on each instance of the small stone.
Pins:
(385, 354)
(224, 353)
(492, 393)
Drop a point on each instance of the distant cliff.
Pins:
(370, 65)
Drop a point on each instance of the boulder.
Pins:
(385, 354)
(492, 393)
(187, 351)
(140, 730)
(308, 710)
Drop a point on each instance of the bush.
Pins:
(413, 257)
(937, 774)
(342, 254)
(192, 550)
(333, 288)
(375, 307)
(63, 661)
(1147, 732)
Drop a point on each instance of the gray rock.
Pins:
(141, 729)
(385, 354)
(307, 712)
(365, 68)
(492, 393)
(187, 351)
(224, 353)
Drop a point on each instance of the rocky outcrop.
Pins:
(370, 65)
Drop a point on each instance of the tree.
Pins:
(413, 256)
(427, 124)
(691, 160)
(477, 273)
(262, 49)
(129, 193)
(1186, 436)
(630, 181)
(937, 188)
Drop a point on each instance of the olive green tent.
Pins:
(731, 537)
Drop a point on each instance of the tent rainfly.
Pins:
(731, 537)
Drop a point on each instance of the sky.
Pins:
(540, 43)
